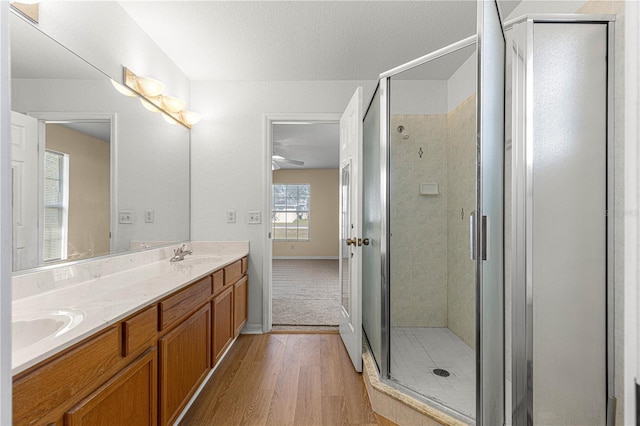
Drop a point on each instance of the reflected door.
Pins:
(350, 225)
(24, 173)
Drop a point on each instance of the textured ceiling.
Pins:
(300, 40)
(316, 144)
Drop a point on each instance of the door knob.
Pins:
(351, 241)
(365, 241)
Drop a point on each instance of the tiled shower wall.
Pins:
(418, 222)
(432, 277)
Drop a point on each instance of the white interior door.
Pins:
(24, 172)
(351, 228)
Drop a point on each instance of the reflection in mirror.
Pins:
(432, 193)
(345, 221)
(95, 186)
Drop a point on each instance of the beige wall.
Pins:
(324, 213)
(89, 190)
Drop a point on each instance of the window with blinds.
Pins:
(56, 205)
(290, 212)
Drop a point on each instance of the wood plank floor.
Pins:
(284, 379)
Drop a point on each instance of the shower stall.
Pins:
(449, 162)
(427, 209)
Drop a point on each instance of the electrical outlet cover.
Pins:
(125, 216)
(255, 217)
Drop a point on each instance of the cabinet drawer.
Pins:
(181, 304)
(218, 281)
(138, 332)
(56, 382)
(233, 272)
(245, 265)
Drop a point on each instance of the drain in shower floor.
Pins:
(440, 372)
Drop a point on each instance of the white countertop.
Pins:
(107, 299)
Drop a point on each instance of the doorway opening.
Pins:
(302, 249)
(62, 187)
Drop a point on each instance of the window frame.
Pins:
(63, 206)
(297, 211)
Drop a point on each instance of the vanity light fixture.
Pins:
(151, 97)
(123, 90)
(190, 117)
(152, 105)
(147, 87)
(173, 104)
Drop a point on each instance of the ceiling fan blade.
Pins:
(281, 159)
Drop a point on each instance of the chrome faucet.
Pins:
(180, 253)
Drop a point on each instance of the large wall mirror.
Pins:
(94, 173)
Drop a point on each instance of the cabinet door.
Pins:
(184, 363)
(128, 398)
(222, 323)
(240, 292)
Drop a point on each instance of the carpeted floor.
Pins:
(305, 292)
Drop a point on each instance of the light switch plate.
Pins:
(231, 216)
(255, 217)
(125, 216)
(149, 216)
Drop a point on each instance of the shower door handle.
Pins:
(473, 235)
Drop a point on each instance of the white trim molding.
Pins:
(269, 120)
(5, 220)
(632, 209)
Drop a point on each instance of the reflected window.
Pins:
(56, 205)
(290, 212)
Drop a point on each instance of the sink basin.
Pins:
(34, 327)
(199, 260)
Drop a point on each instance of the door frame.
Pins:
(267, 255)
(45, 117)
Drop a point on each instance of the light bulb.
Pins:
(190, 117)
(169, 118)
(172, 104)
(149, 87)
(123, 90)
(148, 105)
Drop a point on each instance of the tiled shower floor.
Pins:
(416, 352)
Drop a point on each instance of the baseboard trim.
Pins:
(305, 257)
(252, 329)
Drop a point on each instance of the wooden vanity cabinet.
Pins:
(144, 369)
(240, 307)
(47, 390)
(128, 398)
(222, 323)
(184, 363)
